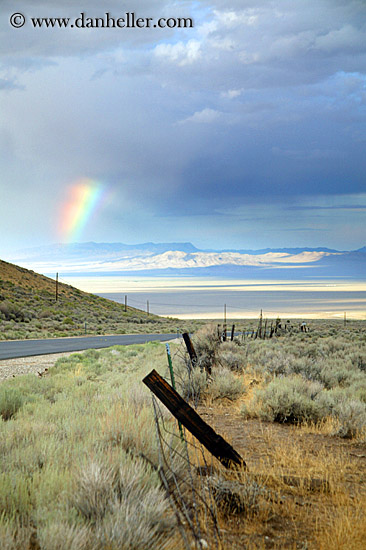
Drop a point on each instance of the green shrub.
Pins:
(206, 344)
(11, 400)
(192, 384)
(126, 505)
(291, 400)
(58, 535)
(67, 321)
(226, 385)
(352, 418)
(232, 356)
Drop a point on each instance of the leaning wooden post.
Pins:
(191, 351)
(232, 333)
(183, 412)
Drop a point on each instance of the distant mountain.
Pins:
(98, 250)
(185, 259)
(272, 250)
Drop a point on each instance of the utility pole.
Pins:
(56, 287)
(125, 302)
(345, 319)
(147, 307)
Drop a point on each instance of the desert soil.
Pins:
(297, 466)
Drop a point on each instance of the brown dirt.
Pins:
(287, 459)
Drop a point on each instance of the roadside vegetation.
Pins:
(71, 475)
(28, 309)
(90, 462)
(295, 407)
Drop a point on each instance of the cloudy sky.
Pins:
(245, 131)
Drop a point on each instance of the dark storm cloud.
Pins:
(263, 101)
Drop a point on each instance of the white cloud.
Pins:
(180, 53)
(231, 19)
(232, 94)
(206, 116)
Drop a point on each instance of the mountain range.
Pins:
(185, 259)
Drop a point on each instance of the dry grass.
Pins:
(74, 461)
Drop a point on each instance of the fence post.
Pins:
(259, 330)
(173, 383)
(182, 411)
(191, 351)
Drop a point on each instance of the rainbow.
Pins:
(83, 198)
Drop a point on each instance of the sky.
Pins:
(245, 131)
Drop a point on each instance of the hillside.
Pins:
(28, 309)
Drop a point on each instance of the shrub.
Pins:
(192, 384)
(290, 399)
(68, 321)
(234, 497)
(94, 492)
(61, 536)
(206, 344)
(232, 356)
(11, 400)
(226, 385)
(13, 536)
(352, 418)
(11, 311)
(124, 505)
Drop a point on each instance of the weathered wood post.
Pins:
(232, 333)
(191, 351)
(184, 413)
(259, 330)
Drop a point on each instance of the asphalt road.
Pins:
(27, 348)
